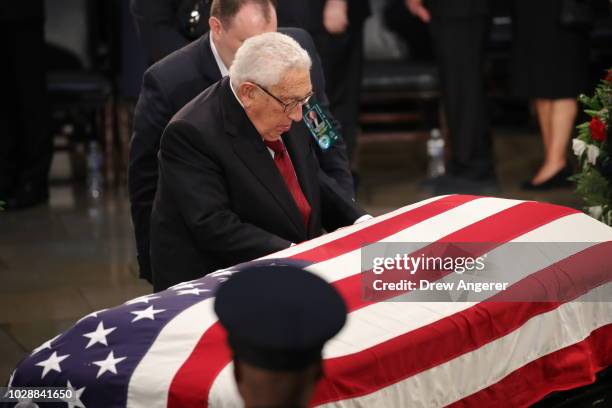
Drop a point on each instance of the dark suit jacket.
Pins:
(158, 27)
(168, 85)
(221, 200)
(309, 14)
(163, 24)
(457, 8)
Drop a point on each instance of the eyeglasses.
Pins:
(288, 107)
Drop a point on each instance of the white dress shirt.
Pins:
(222, 68)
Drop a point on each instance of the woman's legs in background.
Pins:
(543, 109)
(556, 118)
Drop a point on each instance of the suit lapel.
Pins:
(253, 152)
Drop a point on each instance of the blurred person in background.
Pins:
(167, 25)
(550, 66)
(459, 30)
(171, 83)
(337, 29)
(25, 143)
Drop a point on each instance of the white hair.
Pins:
(265, 58)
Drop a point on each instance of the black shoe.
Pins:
(559, 180)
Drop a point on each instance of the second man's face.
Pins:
(248, 22)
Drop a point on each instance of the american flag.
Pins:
(168, 350)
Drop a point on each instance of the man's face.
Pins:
(248, 22)
(266, 110)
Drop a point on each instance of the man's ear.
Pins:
(246, 93)
(215, 25)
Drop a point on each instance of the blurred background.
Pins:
(67, 249)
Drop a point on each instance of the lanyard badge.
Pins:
(319, 126)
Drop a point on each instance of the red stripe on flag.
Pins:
(428, 346)
(202, 367)
(565, 369)
(199, 371)
(382, 229)
(490, 232)
(192, 382)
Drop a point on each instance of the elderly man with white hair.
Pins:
(236, 181)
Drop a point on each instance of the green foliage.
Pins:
(591, 185)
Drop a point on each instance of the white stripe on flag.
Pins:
(150, 382)
(429, 230)
(224, 392)
(576, 227)
(332, 236)
(349, 264)
(541, 335)
(382, 321)
(446, 383)
(153, 376)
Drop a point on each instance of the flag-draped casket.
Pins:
(168, 350)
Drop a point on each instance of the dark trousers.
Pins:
(25, 144)
(342, 60)
(459, 44)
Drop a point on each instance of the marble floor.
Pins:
(61, 261)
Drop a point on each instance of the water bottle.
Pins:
(435, 152)
(95, 178)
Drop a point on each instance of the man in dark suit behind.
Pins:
(459, 31)
(237, 181)
(337, 29)
(172, 82)
(165, 26)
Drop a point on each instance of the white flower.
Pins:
(592, 154)
(595, 211)
(578, 146)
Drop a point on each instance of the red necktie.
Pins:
(283, 163)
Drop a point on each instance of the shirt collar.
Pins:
(222, 68)
(235, 94)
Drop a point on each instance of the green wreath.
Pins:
(593, 149)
